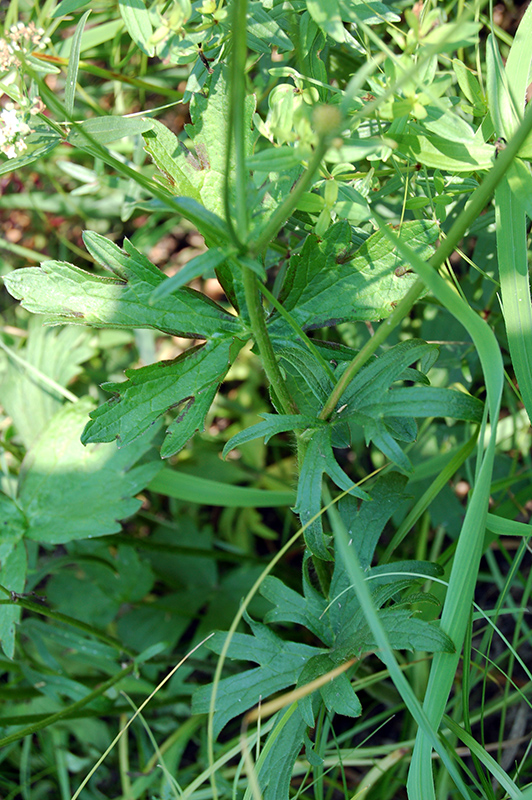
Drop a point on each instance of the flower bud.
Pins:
(326, 119)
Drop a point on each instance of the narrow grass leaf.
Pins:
(356, 576)
(489, 762)
(512, 257)
(73, 65)
(197, 266)
(467, 557)
(204, 491)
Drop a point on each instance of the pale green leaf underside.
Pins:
(66, 293)
(68, 491)
(26, 394)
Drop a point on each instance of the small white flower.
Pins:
(13, 129)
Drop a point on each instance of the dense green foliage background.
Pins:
(283, 440)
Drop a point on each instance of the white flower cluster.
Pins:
(20, 38)
(14, 127)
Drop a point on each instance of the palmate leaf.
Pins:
(365, 521)
(280, 665)
(319, 458)
(187, 383)
(338, 622)
(201, 174)
(25, 394)
(326, 285)
(67, 491)
(66, 293)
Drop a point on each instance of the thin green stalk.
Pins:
(262, 338)
(110, 75)
(356, 575)
(29, 730)
(297, 329)
(237, 116)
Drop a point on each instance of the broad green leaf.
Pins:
(338, 694)
(280, 752)
(73, 64)
(372, 12)
(205, 491)
(31, 383)
(326, 285)
(198, 171)
(280, 665)
(518, 70)
(66, 293)
(108, 129)
(190, 419)
(308, 376)
(441, 153)
(273, 424)
(426, 401)
(274, 159)
(13, 578)
(151, 391)
(14, 526)
(326, 15)
(451, 35)
(512, 252)
(378, 375)
(405, 632)
(319, 459)
(166, 151)
(506, 109)
(470, 86)
(67, 491)
(446, 124)
(67, 7)
(365, 521)
(138, 23)
(263, 25)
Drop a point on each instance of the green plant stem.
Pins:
(473, 209)
(262, 338)
(236, 115)
(110, 75)
(297, 329)
(29, 730)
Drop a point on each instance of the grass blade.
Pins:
(73, 65)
